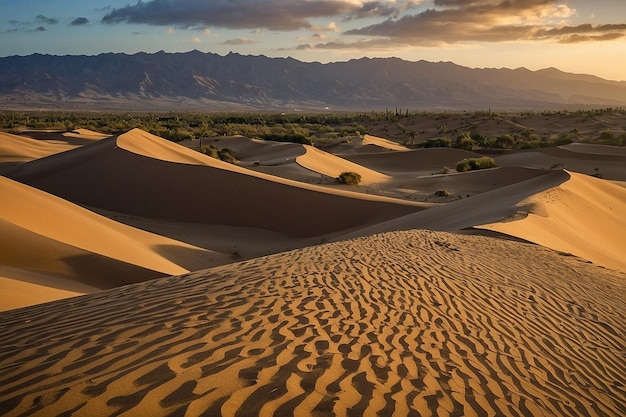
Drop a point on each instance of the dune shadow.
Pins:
(105, 273)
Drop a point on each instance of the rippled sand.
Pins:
(395, 324)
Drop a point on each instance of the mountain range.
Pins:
(207, 81)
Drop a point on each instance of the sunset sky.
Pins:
(579, 36)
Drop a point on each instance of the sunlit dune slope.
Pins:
(45, 235)
(284, 159)
(15, 148)
(492, 206)
(332, 166)
(402, 323)
(85, 134)
(367, 144)
(141, 174)
(383, 143)
(583, 216)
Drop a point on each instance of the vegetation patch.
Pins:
(349, 178)
(472, 164)
(223, 154)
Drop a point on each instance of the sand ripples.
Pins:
(397, 324)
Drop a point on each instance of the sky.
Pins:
(579, 36)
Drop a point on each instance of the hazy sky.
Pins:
(580, 36)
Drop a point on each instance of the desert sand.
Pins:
(402, 323)
(141, 277)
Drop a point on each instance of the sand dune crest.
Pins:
(158, 179)
(383, 143)
(582, 216)
(331, 166)
(14, 148)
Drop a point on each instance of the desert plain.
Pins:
(139, 276)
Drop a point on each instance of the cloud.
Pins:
(280, 15)
(459, 21)
(46, 20)
(373, 9)
(239, 41)
(40, 29)
(331, 27)
(79, 21)
(195, 39)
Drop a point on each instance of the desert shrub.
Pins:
(227, 155)
(223, 154)
(210, 151)
(442, 193)
(504, 142)
(534, 144)
(563, 139)
(349, 178)
(440, 142)
(472, 164)
(465, 141)
(480, 139)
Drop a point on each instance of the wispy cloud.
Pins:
(41, 19)
(239, 41)
(250, 14)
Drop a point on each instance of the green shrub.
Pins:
(210, 151)
(504, 142)
(349, 178)
(437, 143)
(480, 139)
(465, 141)
(472, 164)
(223, 154)
(226, 155)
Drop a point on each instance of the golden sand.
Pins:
(395, 317)
(402, 323)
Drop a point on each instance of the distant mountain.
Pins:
(206, 81)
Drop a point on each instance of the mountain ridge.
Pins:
(195, 80)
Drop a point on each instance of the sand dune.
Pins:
(462, 185)
(258, 150)
(158, 179)
(581, 158)
(383, 143)
(403, 323)
(54, 242)
(286, 159)
(416, 161)
(332, 166)
(15, 148)
(591, 149)
(396, 321)
(492, 206)
(85, 134)
(583, 216)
